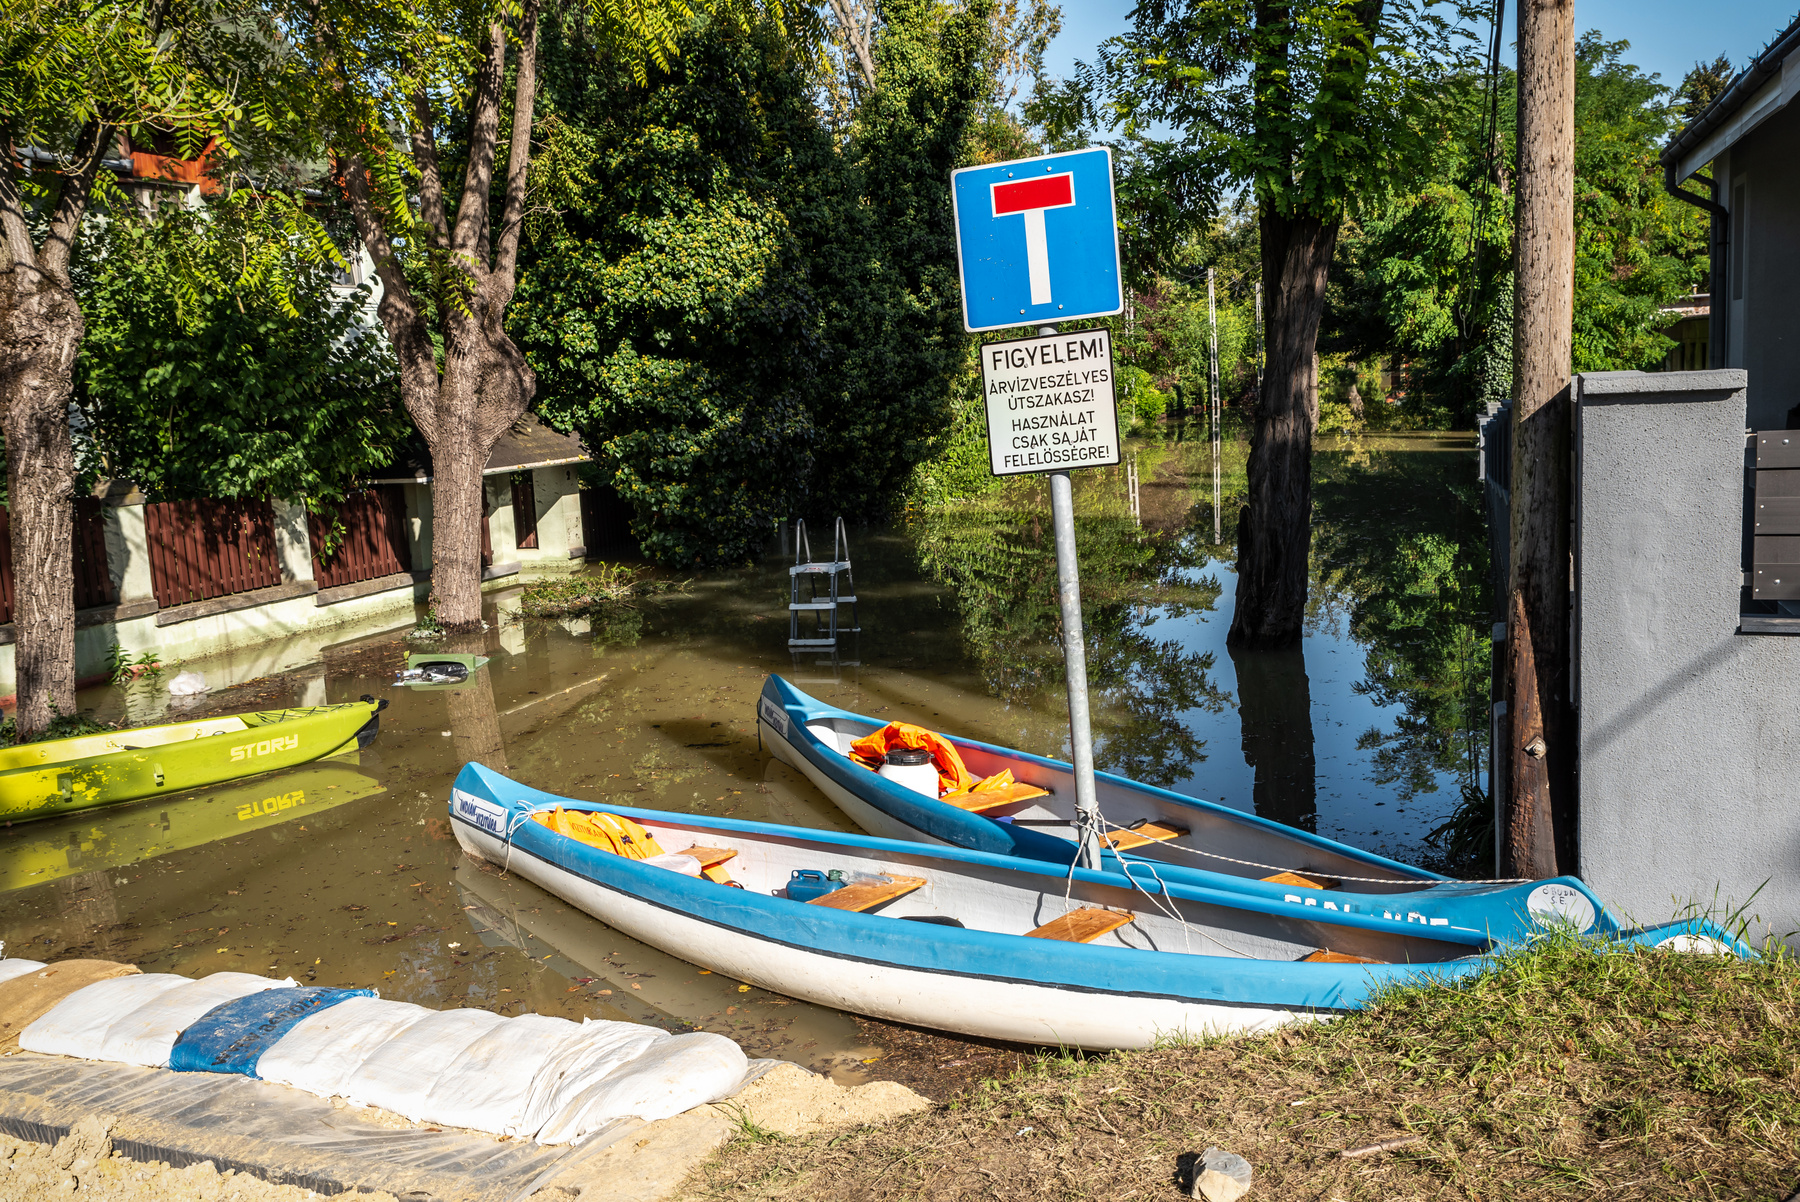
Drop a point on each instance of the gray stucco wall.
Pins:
(1765, 339)
(1689, 731)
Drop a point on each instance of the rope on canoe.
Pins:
(1419, 882)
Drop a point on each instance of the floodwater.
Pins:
(347, 873)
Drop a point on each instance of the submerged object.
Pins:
(990, 945)
(1153, 834)
(61, 847)
(438, 669)
(58, 776)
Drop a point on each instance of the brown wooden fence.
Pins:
(203, 549)
(374, 539)
(93, 583)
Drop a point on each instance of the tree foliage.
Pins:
(746, 320)
(193, 383)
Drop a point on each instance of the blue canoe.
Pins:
(967, 941)
(1175, 838)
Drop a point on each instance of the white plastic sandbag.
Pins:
(488, 1086)
(187, 684)
(145, 1034)
(323, 1049)
(17, 968)
(399, 1074)
(672, 1075)
(77, 1025)
(601, 1047)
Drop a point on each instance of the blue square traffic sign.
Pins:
(1037, 240)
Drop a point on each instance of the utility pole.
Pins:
(1540, 818)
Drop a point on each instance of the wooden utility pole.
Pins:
(1539, 833)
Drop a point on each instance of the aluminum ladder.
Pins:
(824, 608)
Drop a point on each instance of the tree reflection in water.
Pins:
(1275, 708)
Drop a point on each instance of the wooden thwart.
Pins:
(1326, 956)
(992, 799)
(1150, 832)
(710, 857)
(1081, 926)
(1302, 882)
(868, 896)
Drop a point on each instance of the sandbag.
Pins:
(145, 1035)
(321, 1052)
(17, 968)
(232, 1036)
(672, 1075)
(600, 1047)
(488, 1086)
(399, 1074)
(29, 996)
(77, 1025)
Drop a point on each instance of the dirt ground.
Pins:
(84, 1164)
(940, 1066)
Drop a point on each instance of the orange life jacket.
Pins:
(608, 832)
(871, 752)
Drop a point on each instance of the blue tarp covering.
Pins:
(232, 1037)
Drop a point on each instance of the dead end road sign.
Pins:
(1037, 240)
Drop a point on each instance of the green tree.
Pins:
(1312, 106)
(73, 79)
(192, 387)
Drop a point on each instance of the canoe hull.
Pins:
(107, 770)
(787, 720)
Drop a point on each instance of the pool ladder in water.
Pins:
(824, 608)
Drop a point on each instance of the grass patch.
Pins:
(604, 587)
(62, 726)
(1563, 1074)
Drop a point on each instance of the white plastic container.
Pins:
(913, 769)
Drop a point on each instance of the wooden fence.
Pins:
(374, 538)
(93, 583)
(204, 549)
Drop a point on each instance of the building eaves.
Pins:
(1749, 83)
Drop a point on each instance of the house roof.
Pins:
(1762, 88)
(528, 444)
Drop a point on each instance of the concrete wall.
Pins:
(1765, 254)
(1689, 730)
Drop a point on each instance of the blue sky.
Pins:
(1666, 36)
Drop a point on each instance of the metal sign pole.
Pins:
(1068, 595)
(1212, 384)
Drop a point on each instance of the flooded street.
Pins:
(347, 874)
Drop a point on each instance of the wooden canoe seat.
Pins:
(992, 799)
(1145, 833)
(1302, 882)
(1081, 926)
(710, 857)
(864, 897)
(1326, 956)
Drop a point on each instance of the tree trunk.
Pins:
(41, 324)
(1540, 820)
(1274, 529)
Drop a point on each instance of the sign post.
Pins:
(1037, 241)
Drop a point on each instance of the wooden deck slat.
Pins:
(864, 897)
(1150, 832)
(1302, 882)
(1326, 956)
(993, 799)
(1081, 926)
(709, 857)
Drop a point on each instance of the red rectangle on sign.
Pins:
(1044, 192)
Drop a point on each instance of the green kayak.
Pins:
(58, 776)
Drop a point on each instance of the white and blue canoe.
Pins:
(1159, 833)
(967, 941)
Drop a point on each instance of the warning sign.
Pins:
(1050, 404)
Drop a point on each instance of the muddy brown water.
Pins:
(346, 873)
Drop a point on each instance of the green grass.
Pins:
(603, 587)
(1562, 1074)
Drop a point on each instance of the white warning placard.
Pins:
(1050, 404)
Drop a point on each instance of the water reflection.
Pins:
(1275, 712)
